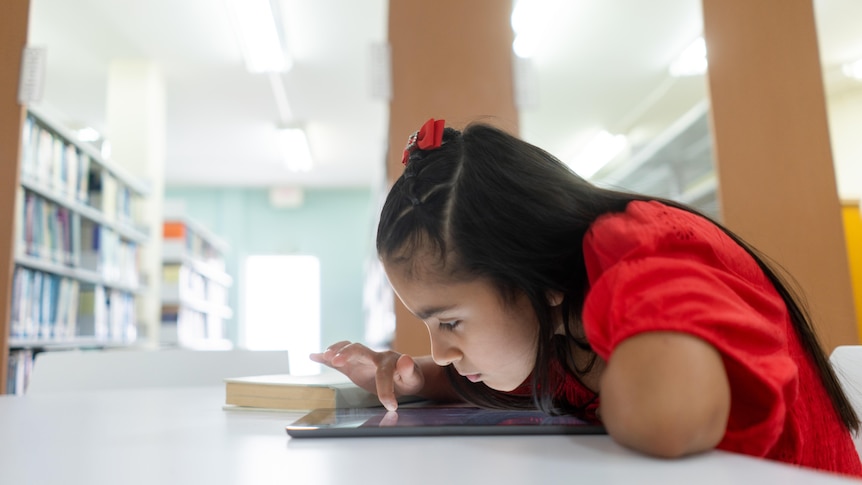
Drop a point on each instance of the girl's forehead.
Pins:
(421, 265)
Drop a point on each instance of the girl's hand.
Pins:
(389, 374)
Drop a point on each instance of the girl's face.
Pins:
(472, 328)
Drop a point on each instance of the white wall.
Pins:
(845, 125)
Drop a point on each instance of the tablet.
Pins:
(434, 421)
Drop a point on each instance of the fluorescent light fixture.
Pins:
(524, 46)
(258, 36)
(692, 61)
(529, 22)
(295, 152)
(853, 69)
(522, 17)
(600, 150)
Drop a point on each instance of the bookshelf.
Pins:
(195, 286)
(678, 165)
(75, 247)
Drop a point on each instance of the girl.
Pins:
(540, 290)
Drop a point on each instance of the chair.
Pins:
(847, 362)
(60, 371)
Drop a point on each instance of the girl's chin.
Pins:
(500, 387)
(505, 386)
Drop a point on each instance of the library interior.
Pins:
(181, 177)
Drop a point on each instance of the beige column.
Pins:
(772, 149)
(136, 131)
(451, 59)
(13, 38)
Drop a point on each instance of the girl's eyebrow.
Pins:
(428, 312)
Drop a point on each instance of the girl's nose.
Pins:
(444, 353)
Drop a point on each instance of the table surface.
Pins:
(183, 435)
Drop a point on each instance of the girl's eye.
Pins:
(449, 325)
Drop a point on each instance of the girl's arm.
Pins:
(665, 394)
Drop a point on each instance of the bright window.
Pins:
(282, 307)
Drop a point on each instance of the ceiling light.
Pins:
(530, 24)
(853, 69)
(603, 148)
(259, 36)
(524, 46)
(692, 61)
(293, 144)
(523, 18)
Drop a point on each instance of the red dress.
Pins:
(657, 268)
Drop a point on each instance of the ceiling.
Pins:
(602, 64)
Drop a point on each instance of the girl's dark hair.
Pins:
(489, 205)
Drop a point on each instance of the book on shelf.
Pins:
(171, 273)
(106, 315)
(329, 389)
(182, 238)
(20, 364)
(105, 252)
(105, 194)
(44, 305)
(47, 231)
(53, 162)
(19, 240)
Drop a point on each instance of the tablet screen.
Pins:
(434, 421)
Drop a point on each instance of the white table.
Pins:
(183, 436)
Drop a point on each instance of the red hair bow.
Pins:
(428, 137)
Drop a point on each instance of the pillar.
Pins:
(772, 149)
(136, 130)
(13, 38)
(452, 60)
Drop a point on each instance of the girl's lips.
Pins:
(473, 377)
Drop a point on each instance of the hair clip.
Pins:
(428, 137)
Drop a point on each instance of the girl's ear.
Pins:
(554, 297)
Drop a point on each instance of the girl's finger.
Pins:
(385, 378)
(335, 348)
(351, 353)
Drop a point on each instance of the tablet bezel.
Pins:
(353, 422)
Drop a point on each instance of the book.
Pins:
(291, 392)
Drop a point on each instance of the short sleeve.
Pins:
(661, 269)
